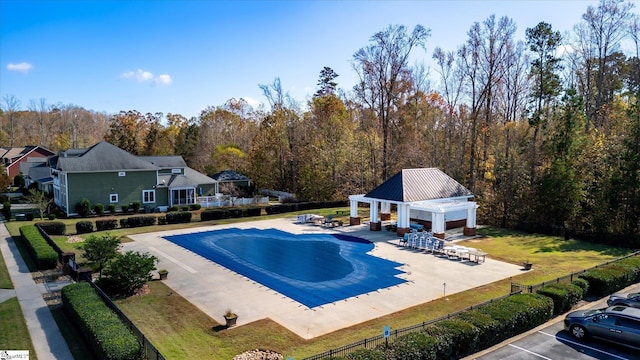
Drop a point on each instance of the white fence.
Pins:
(219, 201)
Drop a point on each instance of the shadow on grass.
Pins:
(552, 244)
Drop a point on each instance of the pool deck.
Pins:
(215, 289)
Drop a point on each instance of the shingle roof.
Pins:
(101, 157)
(190, 178)
(411, 185)
(166, 162)
(229, 175)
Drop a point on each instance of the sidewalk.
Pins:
(45, 335)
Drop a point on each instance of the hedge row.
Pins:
(109, 224)
(218, 214)
(107, 335)
(291, 207)
(565, 296)
(178, 217)
(83, 227)
(468, 332)
(138, 221)
(53, 227)
(607, 279)
(42, 253)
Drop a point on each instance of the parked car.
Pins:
(625, 299)
(619, 324)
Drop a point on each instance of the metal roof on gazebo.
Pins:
(411, 185)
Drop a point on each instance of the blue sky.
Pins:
(175, 56)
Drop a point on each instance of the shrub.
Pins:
(367, 354)
(109, 224)
(252, 211)
(456, 338)
(98, 208)
(130, 271)
(51, 216)
(185, 208)
(83, 227)
(162, 220)
(83, 208)
(112, 208)
(136, 206)
(6, 210)
(124, 208)
(29, 216)
(605, 280)
(138, 221)
(42, 253)
(564, 296)
(583, 284)
(195, 207)
(417, 345)
(178, 217)
(208, 215)
(52, 227)
(235, 213)
(174, 208)
(107, 335)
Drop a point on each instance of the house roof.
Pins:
(229, 176)
(101, 157)
(190, 178)
(410, 185)
(18, 152)
(166, 162)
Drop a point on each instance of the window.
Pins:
(122, 173)
(148, 196)
(113, 198)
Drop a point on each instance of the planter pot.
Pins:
(163, 275)
(527, 266)
(231, 320)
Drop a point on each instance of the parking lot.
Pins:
(551, 342)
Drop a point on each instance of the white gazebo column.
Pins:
(374, 222)
(354, 219)
(403, 219)
(438, 225)
(385, 211)
(470, 228)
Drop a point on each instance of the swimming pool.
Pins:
(312, 269)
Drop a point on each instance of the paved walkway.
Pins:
(214, 289)
(45, 335)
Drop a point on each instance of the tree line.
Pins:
(544, 130)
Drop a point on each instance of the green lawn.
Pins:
(180, 330)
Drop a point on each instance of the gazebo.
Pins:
(426, 196)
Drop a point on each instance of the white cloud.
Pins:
(23, 67)
(143, 76)
(163, 80)
(253, 102)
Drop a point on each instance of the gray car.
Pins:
(619, 324)
(625, 299)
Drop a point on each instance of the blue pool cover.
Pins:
(312, 269)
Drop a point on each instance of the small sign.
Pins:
(386, 332)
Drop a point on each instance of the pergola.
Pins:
(425, 196)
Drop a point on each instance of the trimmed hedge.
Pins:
(83, 227)
(607, 279)
(109, 224)
(290, 207)
(508, 317)
(417, 345)
(252, 211)
(564, 296)
(138, 221)
(217, 214)
(108, 337)
(178, 217)
(53, 227)
(42, 253)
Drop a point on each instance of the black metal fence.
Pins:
(567, 279)
(375, 341)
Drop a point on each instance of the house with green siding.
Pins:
(106, 174)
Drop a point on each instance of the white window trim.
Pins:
(113, 198)
(153, 196)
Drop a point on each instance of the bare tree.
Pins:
(12, 105)
(381, 68)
